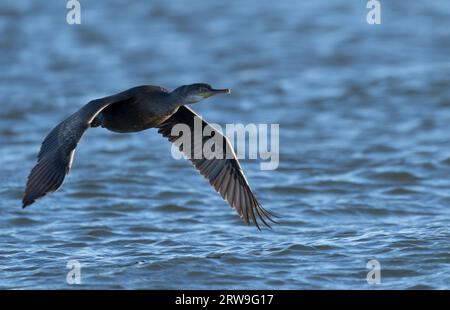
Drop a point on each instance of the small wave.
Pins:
(446, 161)
(171, 208)
(380, 148)
(399, 191)
(88, 194)
(420, 287)
(294, 249)
(23, 221)
(148, 229)
(100, 232)
(399, 273)
(290, 190)
(396, 176)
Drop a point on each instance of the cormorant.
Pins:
(134, 110)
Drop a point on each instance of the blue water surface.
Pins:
(364, 115)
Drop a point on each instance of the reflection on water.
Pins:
(364, 114)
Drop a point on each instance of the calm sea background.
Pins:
(364, 114)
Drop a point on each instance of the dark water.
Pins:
(364, 114)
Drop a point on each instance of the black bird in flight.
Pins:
(138, 109)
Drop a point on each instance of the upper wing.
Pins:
(56, 154)
(225, 175)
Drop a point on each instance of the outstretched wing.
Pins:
(56, 154)
(224, 174)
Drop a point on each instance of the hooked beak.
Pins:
(221, 91)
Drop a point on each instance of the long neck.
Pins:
(177, 97)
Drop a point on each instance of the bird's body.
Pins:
(144, 107)
(138, 109)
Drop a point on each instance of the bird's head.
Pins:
(197, 92)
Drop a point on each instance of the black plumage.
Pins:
(138, 109)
